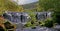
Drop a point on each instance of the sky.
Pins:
(22, 2)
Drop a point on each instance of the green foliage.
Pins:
(32, 20)
(38, 8)
(50, 4)
(54, 5)
(8, 5)
(47, 4)
(42, 23)
(28, 24)
(32, 15)
(49, 23)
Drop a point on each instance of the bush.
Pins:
(28, 24)
(48, 23)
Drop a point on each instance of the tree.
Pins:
(8, 5)
(52, 4)
(38, 8)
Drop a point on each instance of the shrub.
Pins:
(28, 24)
(48, 23)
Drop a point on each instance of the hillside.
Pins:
(30, 5)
